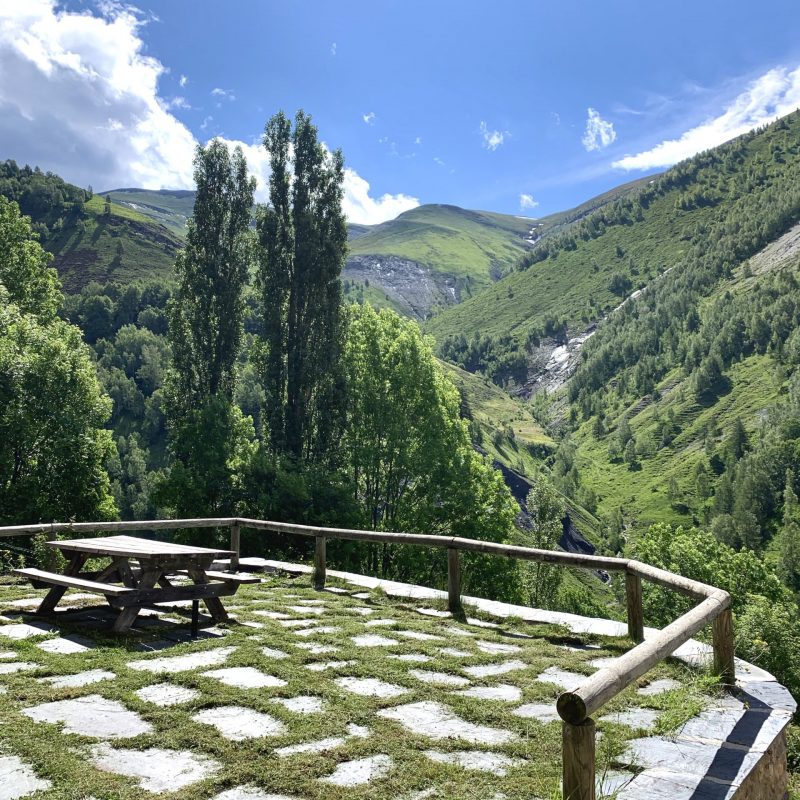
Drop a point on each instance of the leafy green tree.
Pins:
(409, 457)
(546, 510)
(630, 454)
(702, 487)
(52, 443)
(32, 285)
(697, 554)
(789, 536)
(208, 436)
(303, 236)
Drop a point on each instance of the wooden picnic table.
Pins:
(139, 575)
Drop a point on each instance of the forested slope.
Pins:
(735, 199)
(92, 239)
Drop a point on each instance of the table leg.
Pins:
(213, 604)
(128, 614)
(50, 601)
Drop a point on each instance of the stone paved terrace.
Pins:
(357, 691)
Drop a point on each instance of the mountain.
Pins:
(168, 207)
(677, 308)
(436, 255)
(91, 239)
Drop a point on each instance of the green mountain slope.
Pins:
(122, 246)
(584, 272)
(685, 404)
(680, 435)
(472, 245)
(92, 239)
(169, 207)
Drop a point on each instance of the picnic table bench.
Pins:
(139, 575)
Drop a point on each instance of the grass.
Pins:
(123, 246)
(63, 758)
(168, 208)
(562, 286)
(472, 245)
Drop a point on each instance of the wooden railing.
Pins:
(574, 707)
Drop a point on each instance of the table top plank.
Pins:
(134, 547)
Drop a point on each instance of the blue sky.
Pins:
(519, 107)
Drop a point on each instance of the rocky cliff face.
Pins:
(412, 286)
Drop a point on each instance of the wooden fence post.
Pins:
(724, 664)
(577, 755)
(236, 548)
(319, 564)
(454, 582)
(633, 597)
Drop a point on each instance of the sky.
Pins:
(519, 107)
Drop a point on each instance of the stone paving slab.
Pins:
(24, 630)
(370, 687)
(438, 678)
(302, 704)
(244, 678)
(543, 712)
(12, 667)
(321, 745)
(166, 694)
(17, 779)
(504, 692)
(658, 687)
(204, 658)
(238, 723)
(437, 721)
(66, 645)
(562, 678)
(373, 640)
(249, 793)
(155, 770)
(78, 679)
(488, 670)
(495, 763)
(93, 716)
(360, 771)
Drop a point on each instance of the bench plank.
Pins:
(73, 582)
(232, 577)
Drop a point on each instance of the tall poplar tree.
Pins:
(303, 236)
(205, 330)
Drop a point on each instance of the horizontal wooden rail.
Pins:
(575, 707)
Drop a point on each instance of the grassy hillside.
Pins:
(575, 284)
(122, 246)
(501, 426)
(474, 245)
(584, 272)
(169, 207)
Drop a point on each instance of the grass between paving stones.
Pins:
(64, 758)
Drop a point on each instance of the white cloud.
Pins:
(226, 93)
(79, 96)
(178, 102)
(773, 95)
(369, 118)
(206, 121)
(437, 160)
(183, 81)
(360, 207)
(599, 132)
(527, 201)
(418, 140)
(333, 49)
(492, 139)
